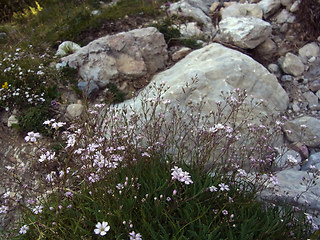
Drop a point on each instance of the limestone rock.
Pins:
(181, 53)
(314, 160)
(185, 9)
(269, 7)
(295, 6)
(267, 48)
(292, 65)
(74, 110)
(244, 32)
(311, 98)
(217, 68)
(285, 17)
(89, 91)
(190, 30)
(242, 9)
(309, 50)
(67, 47)
(304, 129)
(128, 55)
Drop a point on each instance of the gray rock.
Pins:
(292, 64)
(309, 50)
(3, 36)
(184, 9)
(287, 159)
(286, 78)
(311, 98)
(190, 29)
(129, 55)
(314, 160)
(286, 3)
(74, 110)
(269, 7)
(181, 53)
(90, 90)
(285, 17)
(303, 129)
(274, 68)
(295, 6)
(295, 106)
(242, 10)
(217, 68)
(291, 185)
(267, 48)
(318, 94)
(244, 32)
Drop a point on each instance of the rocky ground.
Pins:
(279, 34)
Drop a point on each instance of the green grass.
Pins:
(193, 213)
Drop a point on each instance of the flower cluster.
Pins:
(180, 175)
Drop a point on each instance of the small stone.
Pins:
(286, 78)
(286, 3)
(88, 91)
(181, 53)
(3, 36)
(295, 106)
(309, 50)
(314, 160)
(285, 17)
(284, 28)
(74, 110)
(301, 149)
(318, 94)
(273, 68)
(295, 6)
(292, 65)
(96, 12)
(312, 59)
(315, 85)
(12, 120)
(311, 98)
(318, 39)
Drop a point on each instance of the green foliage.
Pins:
(32, 118)
(145, 199)
(8, 7)
(115, 95)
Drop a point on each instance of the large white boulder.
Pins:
(216, 68)
(128, 55)
(244, 32)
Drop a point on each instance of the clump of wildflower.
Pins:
(223, 187)
(32, 137)
(37, 209)
(180, 175)
(135, 236)
(24, 229)
(102, 228)
(4, 209)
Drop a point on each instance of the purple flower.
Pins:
(54, 103)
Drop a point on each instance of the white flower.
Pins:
(213, 189)
(32, 137)
(181, 176)
(135, 236)
(58, 125)
(223, 187)
(292, 159)
(242, 173)
(24, 229)
(274, 180)
(37, 209)
(102, 228)
(4, 209)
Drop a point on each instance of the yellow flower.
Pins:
(39, 7)
(5, 85)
